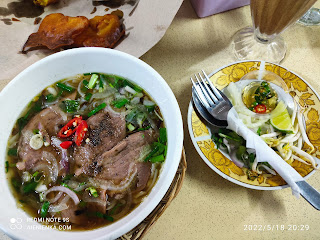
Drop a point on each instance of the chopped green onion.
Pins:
(35, 131)
(131, 127)
(105, 79)
(85, 83)
(161, 148)
(112, 211)
(150, 108)
(82, 204)
(119, 103)
(88, 97)
(81, 184)
(259, 131)
(64, 87)
(15, 183)
(163, 135)
(93, 80)
(143, 129)
(93, 191)
(159, 158)
(104, 216)
(50, 98)
(41, 197)
(101, 86)
(44, 209)
(67, 177)
(13, 152)
(70, 106)
(7, 166)
(130, 84)
(97, 109)
(87, 74)
(29, 187)
(156, 149)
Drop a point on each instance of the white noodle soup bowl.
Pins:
(14, 221)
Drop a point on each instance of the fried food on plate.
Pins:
(103, 31)
(44, 3)
(56, 30)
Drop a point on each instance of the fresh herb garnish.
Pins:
(13, 152)
(70, 106)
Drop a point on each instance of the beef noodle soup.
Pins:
(87, 150)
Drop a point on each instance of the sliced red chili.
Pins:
(80, 132)
(66, 144)
(70, 127)
(261, 108)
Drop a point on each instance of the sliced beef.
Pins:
(118, 163)
(105, 131)
(49, 122)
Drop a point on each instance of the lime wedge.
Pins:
(280, 118)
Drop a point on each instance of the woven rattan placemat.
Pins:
(139, 231)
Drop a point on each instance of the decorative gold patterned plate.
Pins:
(200, 134)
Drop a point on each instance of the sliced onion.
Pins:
(130, 90)
(56, 198)
(68, 191)
(60, 206)
(54, 168)
(79, 89)
(147, 102)
(122, 91)
(135, 100)
(105, 94)
(64, 154)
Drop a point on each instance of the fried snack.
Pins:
(56, 30)
(44, 3)
(104, 31)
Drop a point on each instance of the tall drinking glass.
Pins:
(270, 18)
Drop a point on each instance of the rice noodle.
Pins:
(68, 191)
(56, 198)
(79, 89)
(13, 140)
(54, 165)
(100, 95)
(112, 204)
(60, 206)
(64, 154)
(126, 208)
(98, 200)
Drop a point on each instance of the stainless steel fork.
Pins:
(210, 97)
(217, 105)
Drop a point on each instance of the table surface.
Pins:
(208, 206)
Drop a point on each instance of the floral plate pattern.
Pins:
(301, 91)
